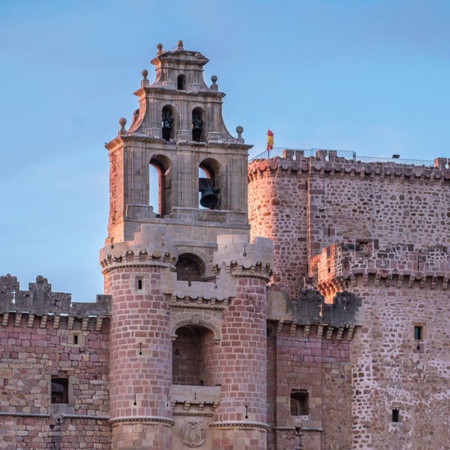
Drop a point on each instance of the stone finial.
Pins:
(239, 131)
(144, 81)
(122, 123)
(160, 49)
(214, 86)
(180, 45)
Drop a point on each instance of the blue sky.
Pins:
(371, 76)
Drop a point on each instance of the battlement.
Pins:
(150, 247)
(328, 161)
(40, 303)
(240, 258)
(400, 264)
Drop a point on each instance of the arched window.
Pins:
(192, 356)
(208, 184)
(167, 123)
(160, 192)
(197, 125)
(181, 83)
(190, 267)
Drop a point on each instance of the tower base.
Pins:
(248, 435)
(141, 434)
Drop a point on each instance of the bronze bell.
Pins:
(209, 199)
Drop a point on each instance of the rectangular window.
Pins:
(139, 283)
(60, 390)
(299, 402)
(395, 415)
(418, 333)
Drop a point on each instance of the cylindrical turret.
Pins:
(140, 356)
(242, 414)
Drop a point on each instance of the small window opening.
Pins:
(167, 123)
(139, 284)
(395, 415)
(197, 125)
(60, 390)
(181, 83)
(418, 333)
(75, 339)
(299, 403)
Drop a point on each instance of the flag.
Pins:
(269, 140)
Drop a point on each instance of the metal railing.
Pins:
(324, 154)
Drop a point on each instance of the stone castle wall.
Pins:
(393, 370)
(44, 337)
(330, 200)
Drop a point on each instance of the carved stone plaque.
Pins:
(192, 434)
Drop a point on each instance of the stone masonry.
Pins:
(290, 303)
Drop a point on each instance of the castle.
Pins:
(296, 302)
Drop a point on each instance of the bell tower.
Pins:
(187, 285)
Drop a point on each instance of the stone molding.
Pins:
(56, 321)
(236, 424)
(132, 254)
(148, 419)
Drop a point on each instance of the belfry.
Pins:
(188, 288)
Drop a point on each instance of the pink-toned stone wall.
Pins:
(389, 371)
(308, 204)
(278, 210)
(243, 354)
(321, 367)
(24, 433)
(141, 358)
(31, 355)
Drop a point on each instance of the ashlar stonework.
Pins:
(290, 303)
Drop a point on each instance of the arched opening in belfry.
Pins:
(167, 123)
(190, 267)
(198, 125)
(192, 356)
(160, 192)
(208, 184)
(181, 83)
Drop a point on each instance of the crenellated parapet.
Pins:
(399, 265)
(295, 161)
(238, 257)
(40, 303)
(314, 315)
(150, 248)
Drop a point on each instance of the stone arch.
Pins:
(194, 353)
(198, 125)
(210, 179)
(190, 267)
(206, 319)
(168, 122)
(160, 182)
(203, 256)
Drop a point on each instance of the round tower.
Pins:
(241, 419)
(140, 346)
